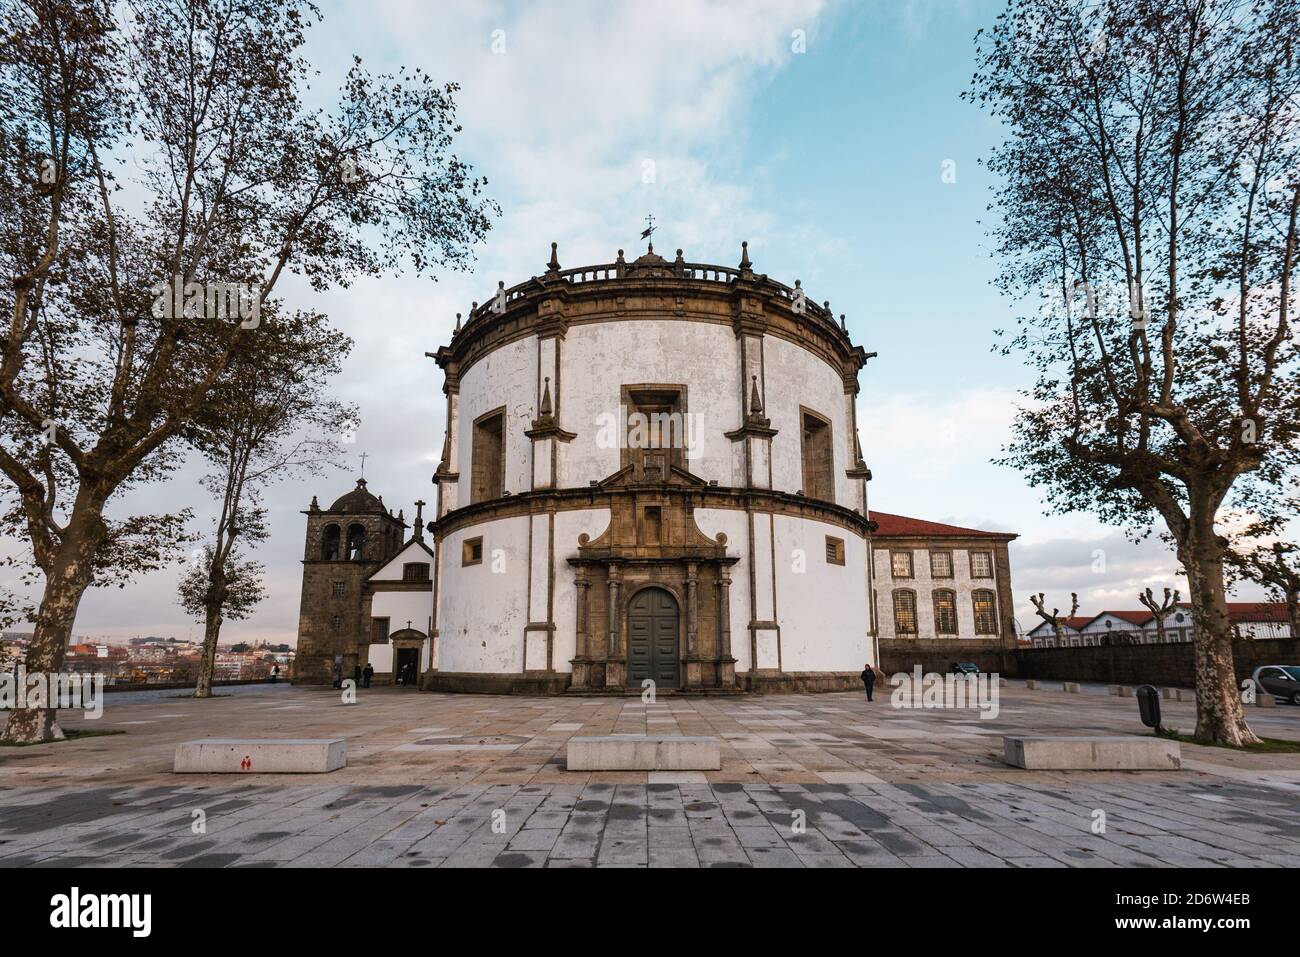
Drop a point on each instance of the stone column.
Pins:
(616, 664)
(726, 663)
(692, 610)
(582, 659)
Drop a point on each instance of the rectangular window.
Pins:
(488, 462)
(905, 612)
(818, 457)
(471, 551)
(981, 564)
(339, 589)
(900, 563)
(986, 617)
(415, 572)
(335, 624)
(945, 612)
(834, 550)
(378, 631)
(940, 564)
(657, 425)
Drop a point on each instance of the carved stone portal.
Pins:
(650, 563)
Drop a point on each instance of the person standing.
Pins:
(367, 675)
(869, 679)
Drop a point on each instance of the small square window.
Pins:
(340, 589)
(981, 564)
(901, 564)
(471, 551)
(940, 564)
(834, 550)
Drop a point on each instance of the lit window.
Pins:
(905, 612)
(986, 618)
(945, 612)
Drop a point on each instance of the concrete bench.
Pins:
(1118, 753)
(644, 753)
(1070, 686)
(1184, 694)
(260, 756)
(1122, 691)
(1031, 685)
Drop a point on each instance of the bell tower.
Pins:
(345, 545)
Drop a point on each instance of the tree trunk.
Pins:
(66, 581)
(216, 600)
(1293, 610)
(1220, 718)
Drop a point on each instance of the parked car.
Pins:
(1282, 681)
(965, 668)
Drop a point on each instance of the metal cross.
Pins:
(363, 464)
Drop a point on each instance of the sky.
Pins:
(818, 131)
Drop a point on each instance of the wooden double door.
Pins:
(653, 633)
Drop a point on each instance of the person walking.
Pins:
(367, 675)
(869, 679)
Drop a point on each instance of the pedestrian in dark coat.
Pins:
(869, 679)
(367, 675)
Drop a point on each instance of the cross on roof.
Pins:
(363, 464)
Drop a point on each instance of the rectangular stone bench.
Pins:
(260, 756)
(1071, 686)
(644, 753)
(1116, 753)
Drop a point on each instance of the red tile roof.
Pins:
(900, 526)
(1077, 622)
(1257, 611)
(1132, 617)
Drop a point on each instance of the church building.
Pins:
(650, 473)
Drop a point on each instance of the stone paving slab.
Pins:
(806, 781)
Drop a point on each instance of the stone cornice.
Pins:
(711, 496)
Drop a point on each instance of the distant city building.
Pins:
(1255, 620)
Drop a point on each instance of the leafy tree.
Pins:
(1148, 191)
(267, 420)
(125, 306)
(1276, 566)
(241, 581)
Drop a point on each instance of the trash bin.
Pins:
(1148, 704)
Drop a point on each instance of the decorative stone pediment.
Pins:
(653, 526)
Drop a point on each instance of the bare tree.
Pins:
(1159, 610)
(1054, 619)
(120, 315)
(1149, 191)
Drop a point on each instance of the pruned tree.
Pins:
(1054, 619)
(1160, 609)
(124, 307)
(1148, 190)
(1276, 566)
(269, 418)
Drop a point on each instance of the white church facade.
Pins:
(650, 472)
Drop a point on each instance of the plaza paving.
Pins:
(806, 780)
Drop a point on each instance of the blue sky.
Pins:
(828, 162)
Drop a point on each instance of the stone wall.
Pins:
(1170, 665)
(938, 655)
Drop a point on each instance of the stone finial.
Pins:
(545, 410)
(554, 264)
(620, 259)
(417, 532)
(314, 506)
(473, 308)
(401, 514)
(745, 264)
(457, 332)
(843, 325)
(755, 402)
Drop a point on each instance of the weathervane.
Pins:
(650, 228)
